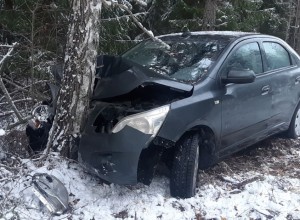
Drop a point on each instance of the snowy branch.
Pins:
(8, 46)
(125, 16)
(141, 3)
(12, 47)
(136, 21)
(6, 113)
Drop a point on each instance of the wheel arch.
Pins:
(207, 144)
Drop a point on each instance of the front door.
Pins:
(245, 107)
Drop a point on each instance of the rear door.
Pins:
(284, 81)
(245, 107)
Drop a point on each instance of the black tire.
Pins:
(185, 167)
(294, 129)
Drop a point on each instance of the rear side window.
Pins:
(246, 57)
(277, 56)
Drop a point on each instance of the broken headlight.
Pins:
(51, 192)
(148, 122)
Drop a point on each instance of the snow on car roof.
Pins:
(228, 33)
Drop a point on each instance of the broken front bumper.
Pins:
(114, 157)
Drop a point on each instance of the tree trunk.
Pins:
(296, 37)
(209, 17)
(78, 79)
(289, 20)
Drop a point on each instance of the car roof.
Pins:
(232, 34)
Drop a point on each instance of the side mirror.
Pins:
(238, 76)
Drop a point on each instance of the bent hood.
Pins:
(117, 76)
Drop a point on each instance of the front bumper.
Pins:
(113, 157)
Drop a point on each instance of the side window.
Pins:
(277, 56)
(247, 57)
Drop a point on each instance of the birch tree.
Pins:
(79, 71)
(209, 17)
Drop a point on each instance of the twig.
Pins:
(226, 180)
(11, 169)
(245, 182)
(23, 121)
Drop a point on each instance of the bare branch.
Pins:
(2, 86)
(16, 101)
(15, 85)
(6, 113)
(36, 95)
(9, 100)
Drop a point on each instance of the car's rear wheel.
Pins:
(185, 167)
(294, 129)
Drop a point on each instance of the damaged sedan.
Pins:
(188, 100)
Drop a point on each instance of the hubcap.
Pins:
(297, 123)
(196, 169)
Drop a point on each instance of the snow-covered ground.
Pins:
(262, 183)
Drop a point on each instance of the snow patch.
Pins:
(270, 196)
(229, 33)
(2, 132)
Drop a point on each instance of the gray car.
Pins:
(188, 100)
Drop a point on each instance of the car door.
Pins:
(284, 80)
(245, 107)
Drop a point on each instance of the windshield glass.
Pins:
(185, 59)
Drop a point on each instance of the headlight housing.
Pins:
(148, 122)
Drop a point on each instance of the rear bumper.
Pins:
(113, 157)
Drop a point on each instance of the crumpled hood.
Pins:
(119, 76)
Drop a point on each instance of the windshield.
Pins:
(181, 59)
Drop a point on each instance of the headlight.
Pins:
(148, 122)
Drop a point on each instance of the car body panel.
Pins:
(200, 109)
(124, 76)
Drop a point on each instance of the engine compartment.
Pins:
(142, 98)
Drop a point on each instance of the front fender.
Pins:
(188, 113)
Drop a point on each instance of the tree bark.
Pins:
(78, 79)
(209, 17)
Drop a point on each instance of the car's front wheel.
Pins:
(294, 129)
(185, 167)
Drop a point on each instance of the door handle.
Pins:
(297, 80)
(265, 90)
